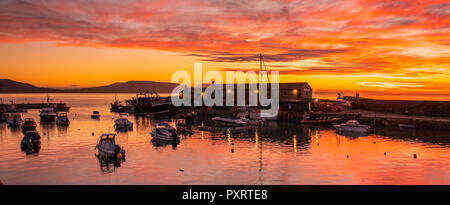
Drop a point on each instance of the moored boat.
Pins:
(62, 119)
(28, 125)
(230, 122)
(47, 114)
(122, 123)
(95, 115)
(15, 120)
(164, 131)
(352, 126)
(107, 146)
(182, 125)
(31, 142)
(256, 114)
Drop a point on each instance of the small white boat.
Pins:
(62, 119)
(231, 122)
(107, 146)
(123, 123)
(352, 126)
(15, 120)
(48, 114)
(164, 131)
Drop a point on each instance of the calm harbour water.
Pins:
(283, 153)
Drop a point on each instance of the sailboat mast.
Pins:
(260, 68)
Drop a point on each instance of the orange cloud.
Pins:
(383, 39)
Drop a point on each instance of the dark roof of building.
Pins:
(281, 85)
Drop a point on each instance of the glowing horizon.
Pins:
(370, 46)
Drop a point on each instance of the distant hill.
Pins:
(10, 86)
(130, 87)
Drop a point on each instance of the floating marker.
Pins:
(415, 156)
(348, 156)
(385, 153)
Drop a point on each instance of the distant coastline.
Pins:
(10, 86)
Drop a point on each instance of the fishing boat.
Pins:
(116, 106)
(122, 123)
(31, 142)
(47, 114)
(107, 146)
(15, 120)
(28, 125)
(95, 115)
(352, 126)
(164, 131)
(62, 119)
(230, 122)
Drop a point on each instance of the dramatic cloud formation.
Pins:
(391, 39)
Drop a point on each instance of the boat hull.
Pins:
(351, 129)
(48, 118)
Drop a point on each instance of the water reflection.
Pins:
(279, 153)
(62, 130)
(430, 136)
(163, 143)
(108, 164)
(30, 150)
(15, 129)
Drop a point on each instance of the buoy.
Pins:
(385, 153)
(92, 133)
(181, 170)
(374, 142)
(415, 156)
(232, 149)
(317, 144)
(348, 156)
(44, 133)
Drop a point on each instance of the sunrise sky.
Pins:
(372, 47)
